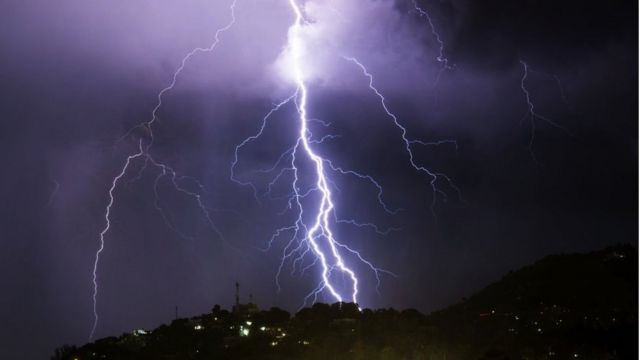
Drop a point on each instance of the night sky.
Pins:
(76, 75)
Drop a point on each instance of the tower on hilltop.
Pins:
(244, 310)
(237, 294)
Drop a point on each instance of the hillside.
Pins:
(563, 306)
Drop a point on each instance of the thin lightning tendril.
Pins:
(103, 233)
(143, 152)
(441, 58)
(54, 192)
(434, 176)
(531, 113)
(273, 110)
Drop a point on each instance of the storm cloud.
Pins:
(76, 75)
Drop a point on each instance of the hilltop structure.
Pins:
(244, 310)
(571, 306)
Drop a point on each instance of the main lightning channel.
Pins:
(321, 228)
(317, 238)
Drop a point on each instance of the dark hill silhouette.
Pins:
(563, 305)
(578, 306)
(604, 278)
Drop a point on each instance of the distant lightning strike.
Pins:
(103, 233)
(531, 113)
(143, 152)
(434, 176)
(441, 58)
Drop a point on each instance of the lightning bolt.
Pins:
(312, 233)
(434, 176)
(320, 229)
(251, 138)
(531, 113)
(143, 152)
(441, 57)
(103, 233)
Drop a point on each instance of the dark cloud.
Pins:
(495, 34)
(76, 77)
